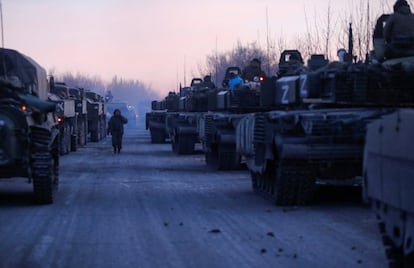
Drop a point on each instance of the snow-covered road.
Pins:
(150, 208)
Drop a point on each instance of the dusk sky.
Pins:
(150, 40)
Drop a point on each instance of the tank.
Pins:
(318, 139)
(182, 128)
(67, 117)
(389, 182)
(155, 121)
(28, 129)
(96, 116)
(219, 129)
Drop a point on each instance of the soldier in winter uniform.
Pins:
(116, 128)
(252, 70)
(399, 30)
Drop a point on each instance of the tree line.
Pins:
(324, 34)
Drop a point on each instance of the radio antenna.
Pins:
(267, 41)
(2, 29)
(2, 40)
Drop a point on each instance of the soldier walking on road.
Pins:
(116, 129)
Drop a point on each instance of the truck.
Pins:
(29, 144)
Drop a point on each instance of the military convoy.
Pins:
(289, 151)
(304, 128)
(28, 129)
(41, 120)
(389, 182)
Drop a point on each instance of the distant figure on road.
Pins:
(116, 129)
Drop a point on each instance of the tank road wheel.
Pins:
(45, 168)
(293, 184)
(157, 135)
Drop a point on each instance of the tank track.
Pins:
(44, 165)
(285, 184)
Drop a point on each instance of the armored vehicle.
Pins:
(219, 128)
(289, 152)
(81, 110)
(182, 125)
(389, 182)
(66, 112)
(155, 120)
(96, 116)
(29, 137)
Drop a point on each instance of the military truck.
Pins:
(28, 129)
(289, 152)
(81, 110)
(96, 116)
(389, 182)
(67, 118)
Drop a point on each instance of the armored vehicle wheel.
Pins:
(157, 136)
(45, 171)
(223, 157)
